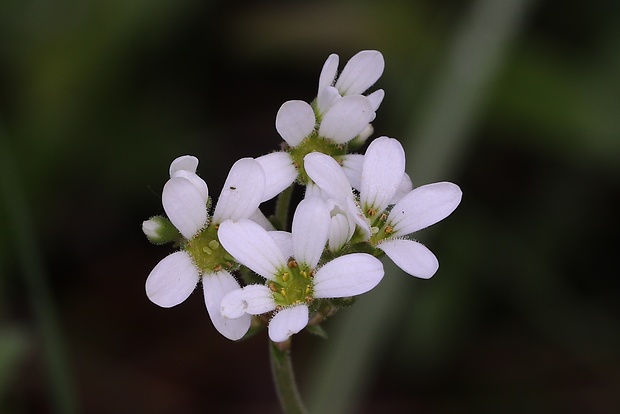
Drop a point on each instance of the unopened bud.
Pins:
(159, 230)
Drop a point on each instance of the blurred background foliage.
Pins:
(516, 101)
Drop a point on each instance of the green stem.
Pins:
(283, 205)
(284, 378)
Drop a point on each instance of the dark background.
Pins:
(516, 101)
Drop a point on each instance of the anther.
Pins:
(389, 229)
(207, 250)
(283, 292)
(214, 244)
(292, 264)
(285, 277)
(371, 212)
(383, 217)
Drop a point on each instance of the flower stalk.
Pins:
(284, 378)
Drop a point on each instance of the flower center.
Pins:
(207, 252)
(379, 227)
(313, 143)
(292, 285)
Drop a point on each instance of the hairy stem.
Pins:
(284, 378)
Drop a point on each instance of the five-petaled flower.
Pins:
(185, 197)
(386, 217)
(289, 263)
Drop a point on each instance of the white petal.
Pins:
(172, 280)
(340, 232)
(295, 121)
(403, 189)
(313, 190)
(184, 162)
(184, 205)
(284, 240)
(252, 299)
(198, 182)
(280, 173)
(310, 230)
(411, 256)
(352, 165)
(346, 118)
(242, 191)
(287, 322)
(328, 72)
(328, 175)
(252, 246)
(355, 214)
(384, 167)
(376, 98)
(326, 98)
(259, 218)
(424, 206)
(349, 275)
(215, 286)
(360, 72)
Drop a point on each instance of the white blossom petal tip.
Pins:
(242, 192)
(412, 257)
(288, 322)
(252, 300)
(376, 98)
(346, 118)
(184, 205)
(252, 246)
(172, 280)
(328, 73)
(382, 173)
(280, 173)
(424, 206)
(360, 72)
(215, 287)
(328, 175)
(310, 230)
(184, 162)
(349, 275)
(294, 121)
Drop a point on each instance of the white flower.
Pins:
(346, 118)
(342, 112)
(420, 208)
(388, 211)
(185, 198)
(359, 74)
(292, 282)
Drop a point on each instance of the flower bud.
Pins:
(159, 230)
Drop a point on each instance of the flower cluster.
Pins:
(356, 209)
